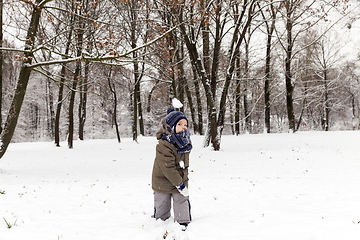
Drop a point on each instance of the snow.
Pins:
(302, 186)
(176, 103)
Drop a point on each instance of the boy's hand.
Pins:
(183, 189)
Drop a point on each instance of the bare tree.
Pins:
(23, 79)
(199, 57)
(351, 85)
(60, 99)
(133, 23)
(326, 56)
(269, 16)
(220, 17)
(298, 17)
(115, 98)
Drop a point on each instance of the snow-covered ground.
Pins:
(303, 186)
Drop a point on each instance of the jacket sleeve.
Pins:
(166, 162)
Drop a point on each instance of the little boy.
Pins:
(170, 170)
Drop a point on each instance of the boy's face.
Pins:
(181, 126)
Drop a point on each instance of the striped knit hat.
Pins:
(173, 117)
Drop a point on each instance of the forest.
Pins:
(91, 69)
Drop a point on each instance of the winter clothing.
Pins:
(162, 203)
(167, 170)
(173, 117)
(181, 140)
(183, 189)
(170, 169)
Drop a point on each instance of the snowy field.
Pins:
(303, 186)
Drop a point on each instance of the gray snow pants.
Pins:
(162, 207)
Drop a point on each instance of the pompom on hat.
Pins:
(173, 117)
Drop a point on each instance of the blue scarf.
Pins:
(181, 141)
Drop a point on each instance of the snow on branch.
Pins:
(115, 57)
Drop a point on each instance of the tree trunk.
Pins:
(289, 95)
(288, 75)
(232, 119)
(61, 89)
(49, 100)
(51, 112)
(58, 107)
(14, 111)
(205, 30)
(198, 128)
(326, 103)
(270, 29)
(195, 59)
(135, 108)
(212, 130)
(233, 52)
(246, 100)
(81, 110)
(198, 103)
(84, 80)
(71, 105)
(181, 74)
(136, 95)
(192, 108)
(113, 91)
(214, 123)
(76, 79)
(183, 86)
(140, 112)
(83, 100)
(150, 95)
(267, 86)
(217, 46)
(237, 96)
(1, 62)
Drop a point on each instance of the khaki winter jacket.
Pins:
(167, 171)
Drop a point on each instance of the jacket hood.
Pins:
(164, 128)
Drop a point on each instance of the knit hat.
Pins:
(173, 117)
